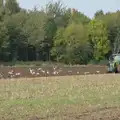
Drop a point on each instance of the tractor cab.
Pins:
(114, 62)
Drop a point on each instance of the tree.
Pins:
(16, 40)
(1, 3)
(54, 9)
(98, 37)
(4, 37)
(112, 21)
(12, 7)
(57, 17)
(59, 47)
(50, 31)
(56, 33)
(116, 48)
(77, 46)
(57, 12)
(3, 34)
(71, 46)
(99, 13)
(78, 17)
(2, 12)
(34, 28)
(17, 37)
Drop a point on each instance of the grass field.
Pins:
(90, 97)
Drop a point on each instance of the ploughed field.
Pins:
(84, 97)
(30, 72)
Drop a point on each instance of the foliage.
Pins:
(78, 17)
(117, 42)
(70, 44)
(99, 14)
(12, 7)
(98, 37)
(56, 33)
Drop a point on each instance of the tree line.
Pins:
(56, 33)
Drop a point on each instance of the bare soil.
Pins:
(50, 71)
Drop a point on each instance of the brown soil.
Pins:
(50, 71)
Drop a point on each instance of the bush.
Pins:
(101, 62)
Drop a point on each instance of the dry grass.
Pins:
(22, 99)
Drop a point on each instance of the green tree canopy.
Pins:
(98, 37)
(56, 33)
(12, 6)
(71, 45)
(99, 14)
(78, 17)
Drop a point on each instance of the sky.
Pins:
(88, 7)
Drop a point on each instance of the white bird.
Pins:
(78, 72)
(39, 69)
(10, 72)
(37, 73)
(48, 72)
(54, 68)
(1, 75)
(98, 72)
(43, 71)
(32, 71)
(86, 73)
(55, 72)
(18, 74)
(70, 71)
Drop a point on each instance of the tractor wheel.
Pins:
(116, 70)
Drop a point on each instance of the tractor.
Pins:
(114, 62)
(114, 59)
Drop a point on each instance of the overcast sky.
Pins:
(88, 7)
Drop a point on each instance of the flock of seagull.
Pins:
(41, 72)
